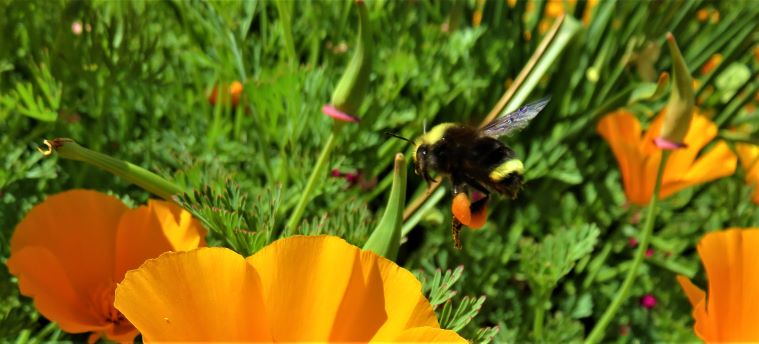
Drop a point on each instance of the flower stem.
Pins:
(294, 220)
(598, 331)
(540, 312)
(151, 182)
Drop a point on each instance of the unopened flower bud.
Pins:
(679, 110)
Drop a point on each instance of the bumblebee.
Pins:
(474, 158)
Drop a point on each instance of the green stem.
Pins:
(540, 312)
(310, 185)
(151, 182)
(284, 14)
(598, 331)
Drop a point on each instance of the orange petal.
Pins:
(148, 231)
(208, 294)
(729, 258)
(749, 156)
(461, 208)
(63, 254)
(405, 304)
(621, 130)
(701, 132)
(429, 335)
(716, 163)
(347, 294)
(694, 293)
(42, 277)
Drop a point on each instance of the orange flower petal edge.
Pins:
(296, 289)
(166, 297)
(729, 312)
(344, 282)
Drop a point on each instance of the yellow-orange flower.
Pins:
(749, 156)
(70, 251)
(302, 288)
(638, 157)
(730, 311)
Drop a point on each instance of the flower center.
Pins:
(103, 302)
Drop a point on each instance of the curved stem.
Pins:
(294, 220)
(598, 331)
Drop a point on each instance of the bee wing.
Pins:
(515, 121)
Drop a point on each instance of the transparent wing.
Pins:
(515, 121)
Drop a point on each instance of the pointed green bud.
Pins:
(151, 182)
(386, 238)
(352, 87)
(679, 110)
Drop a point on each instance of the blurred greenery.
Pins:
(132, 79)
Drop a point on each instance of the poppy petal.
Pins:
(324, 265)
(749, 156)
(405, 303)
(63, 254)
(429, 335)
(148, 231)
(41, 276)
(718, 162)
(729, 258)
(621, 130)
(208, 294)
(78, 227)
(353, 294)
(694, 293)
(697, 298)
(701, 132)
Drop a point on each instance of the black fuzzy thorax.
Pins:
(464, 153)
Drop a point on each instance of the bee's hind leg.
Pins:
(478, 205)
(456, 232)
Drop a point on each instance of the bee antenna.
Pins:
(397, 136)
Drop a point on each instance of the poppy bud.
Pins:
(352, 87)
(679, 110)
(386, 237)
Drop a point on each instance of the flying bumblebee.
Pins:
(474, 157)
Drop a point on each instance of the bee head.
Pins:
(423, 160)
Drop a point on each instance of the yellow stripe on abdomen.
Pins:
(506, 168)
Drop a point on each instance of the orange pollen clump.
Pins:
(460, 208)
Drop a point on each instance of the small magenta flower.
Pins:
(632, 242)
(649, 253)
(648, 301)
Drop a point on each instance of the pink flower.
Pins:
(648, 301)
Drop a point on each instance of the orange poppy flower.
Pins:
(302, 288)
(638, 157)
(749, 156)
(730, 311)
(70, 250)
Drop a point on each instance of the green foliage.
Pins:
(134, 84)
(545, 263)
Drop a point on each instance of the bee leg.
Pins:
(456, 231)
